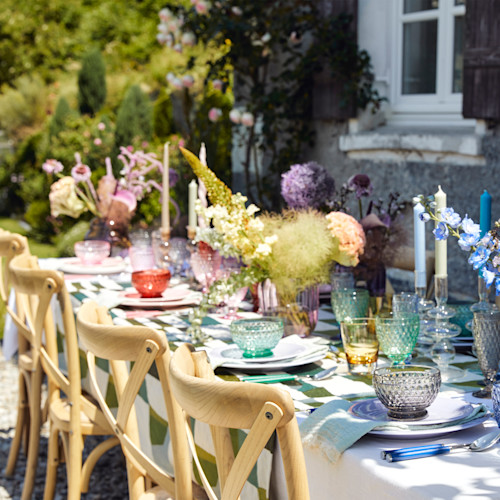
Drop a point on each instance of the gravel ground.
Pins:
(108, 481)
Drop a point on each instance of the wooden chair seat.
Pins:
(25, 362)
(60, 414)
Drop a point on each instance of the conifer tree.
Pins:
(134, 118)
(61, 113)
(92, 83)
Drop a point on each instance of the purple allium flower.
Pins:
(361, 184)
(307, 185)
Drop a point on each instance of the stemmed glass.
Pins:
(483, 293)
(205, 266)
(230, 266)
(486, 331)
(397, 334)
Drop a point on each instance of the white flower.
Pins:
(263, 250)
(177, 83)
(235, 116)
(165, 14)
(271, 240)
(252, 209)
(247, 119)
(214, 114)
(202, 7)
(266, 38)
(217, 84)
(170, 77)
(236, 11)
(178, 48)
(188, 39)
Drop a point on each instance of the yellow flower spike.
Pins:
(218, 192)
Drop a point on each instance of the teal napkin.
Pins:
(331, 429)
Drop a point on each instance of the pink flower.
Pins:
(97, 141)
(178, 48)
(235, 116)
(144, 144)
(126, 197)
(101, 126)
(295, 37)
(181, 143)
(187, 81)
(53, 166)
(217, 84)
(214, 114)
(247, 119)
(350, 235)
(172, 26)
(236, 11)
(81, 172)
(202, 7)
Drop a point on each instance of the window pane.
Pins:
(418, 5)
(458, 54)
(419, 57)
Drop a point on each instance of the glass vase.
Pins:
(299, 316)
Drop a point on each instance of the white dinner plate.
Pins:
(218, 360)
(171, 297)
(280, 352)
(442, 411)
(110, 265)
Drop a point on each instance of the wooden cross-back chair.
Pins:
(237, 405)
(72, 415)
(29, 385)
(145, 347)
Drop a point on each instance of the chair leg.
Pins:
(34, 435)
(52, 463)
(74, 466)
(22, 410)
(92, 459)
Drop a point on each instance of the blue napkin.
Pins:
(331, 429)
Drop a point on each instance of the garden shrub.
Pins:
(133, 119)
(92, 83)
(61, 114)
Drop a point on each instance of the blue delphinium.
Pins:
(484, 253)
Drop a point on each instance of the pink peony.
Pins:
(350, 235)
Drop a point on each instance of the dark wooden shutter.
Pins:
(327, 93)
(481, 86)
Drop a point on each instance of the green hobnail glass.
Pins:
(350, 303)
(397, 334)
(257, 337)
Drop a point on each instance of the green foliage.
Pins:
(163, 125)
(134, 118)
(23, 106)
(92, 83)
(61, 114)
(65, 241)
(37, 215)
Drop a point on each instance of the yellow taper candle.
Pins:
(441, 245)
(193, 195)
(165, 203)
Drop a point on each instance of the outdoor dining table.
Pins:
(359, 472)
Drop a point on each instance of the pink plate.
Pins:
(171, 297)
(109, 265)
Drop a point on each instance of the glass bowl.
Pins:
(257, 337)
(406, 391)
(151, 283)
(92, 251)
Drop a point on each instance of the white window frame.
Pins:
(444, 107)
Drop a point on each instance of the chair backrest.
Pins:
(237, 405)
(11, 244)
(35, 288)
(145, 347)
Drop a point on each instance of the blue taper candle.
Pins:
(485, 213)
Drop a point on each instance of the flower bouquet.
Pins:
(293, 249)
(114, 201)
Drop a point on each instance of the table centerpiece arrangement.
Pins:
(112, 201)
(293, 249)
